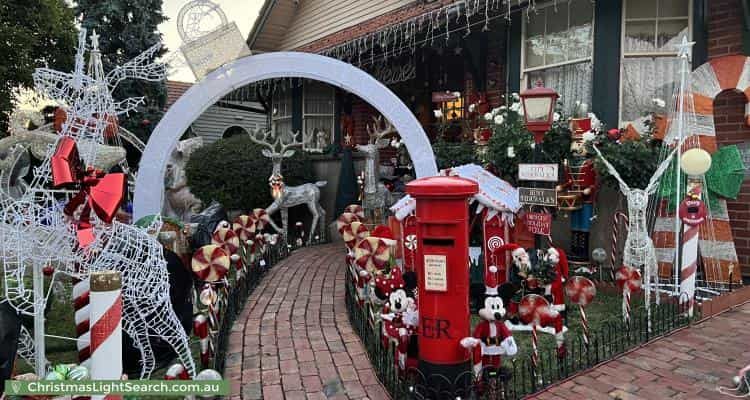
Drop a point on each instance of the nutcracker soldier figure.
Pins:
(577, 192)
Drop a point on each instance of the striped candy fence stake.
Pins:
(619, 216)
(82, 315)
(688, 267)
(106, 327)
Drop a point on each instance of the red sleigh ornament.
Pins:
(100, 192)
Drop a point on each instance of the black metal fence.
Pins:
(240, 290)
(518, 377)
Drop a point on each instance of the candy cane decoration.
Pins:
(689, 266)
(210, 263)
(106, 326)
(581, 291)
(82, 314)
(244, 226)
(629, 281)
(618, 217)
(176, 372)
(200, 328)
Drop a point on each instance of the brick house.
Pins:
(616, 55)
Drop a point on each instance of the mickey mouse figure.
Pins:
(401, 317)
(491, 338)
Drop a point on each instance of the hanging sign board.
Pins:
(435, 273)
(441, 97)
(539, 197)
(537, 172)
(214, 49)
(538, 223)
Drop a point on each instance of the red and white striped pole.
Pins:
(619, 216)
(200, 327)
(82, 315)
(106, 327)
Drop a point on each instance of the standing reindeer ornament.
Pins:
(284, 196)
(639, 251)
(376, 196)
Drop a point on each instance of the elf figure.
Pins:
(491, 338)
(579, 181)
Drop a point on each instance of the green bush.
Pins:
(448, 154)
(234, 172)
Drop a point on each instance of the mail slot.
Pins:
(442, 262)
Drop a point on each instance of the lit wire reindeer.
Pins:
(284, 197)
(376, 196)
(639, 251)
(35, 232)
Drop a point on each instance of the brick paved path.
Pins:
(293, 339)
(689, 364)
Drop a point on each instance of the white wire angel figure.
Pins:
(639, 251)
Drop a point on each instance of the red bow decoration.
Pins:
(101, 192)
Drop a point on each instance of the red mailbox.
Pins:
(442, 265)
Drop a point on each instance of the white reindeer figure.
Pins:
(639, 251)
(35, 232)
(376, 196)
(289, 196)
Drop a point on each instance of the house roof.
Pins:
(274, 20)
(303, 24)
(175, 90)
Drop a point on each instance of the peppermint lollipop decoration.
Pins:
(372, 254)
(260, 217)
(344, 220)
(244, 227)
(532, 309)
(581, 291)
(210, 263)
(356, 209)
(629, 281)
(353, 233)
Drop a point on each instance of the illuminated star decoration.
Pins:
(684, 48)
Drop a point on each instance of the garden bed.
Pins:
(609, 336)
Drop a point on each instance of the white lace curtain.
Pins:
(572, 82)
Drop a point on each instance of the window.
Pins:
(281, 112)
(318, 114)
(651, 30)
(558, 46)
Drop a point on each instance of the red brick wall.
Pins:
(725, 38)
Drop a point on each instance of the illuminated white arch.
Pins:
(149, 187)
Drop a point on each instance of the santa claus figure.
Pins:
(520, 270)
(559, 260)
(491, 338)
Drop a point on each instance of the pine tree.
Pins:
(127, 28)
(33, 33)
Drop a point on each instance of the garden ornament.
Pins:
(285, 197)
(375, 197)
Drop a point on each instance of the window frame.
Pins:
(645, 54)
(274, 103)
(332, 115)
(523, 81)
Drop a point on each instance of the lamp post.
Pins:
(538, 115)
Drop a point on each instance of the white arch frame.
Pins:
(149, 185)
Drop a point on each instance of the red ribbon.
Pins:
(101, 192)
